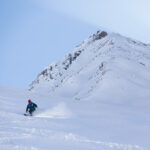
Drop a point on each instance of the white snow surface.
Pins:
(96, 98)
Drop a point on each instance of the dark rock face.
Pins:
(71, 58)
(99, 35)
(44, 73)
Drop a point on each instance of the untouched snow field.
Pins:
(69, 124)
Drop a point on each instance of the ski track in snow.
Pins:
(9, 139)
(15, 133)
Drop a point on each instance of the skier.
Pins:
(31, 107)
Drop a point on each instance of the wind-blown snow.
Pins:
(59, 111)
(96, 98)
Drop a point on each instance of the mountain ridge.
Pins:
(91, 61)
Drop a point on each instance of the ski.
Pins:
(27, 115)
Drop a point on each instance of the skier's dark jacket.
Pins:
(31, 106)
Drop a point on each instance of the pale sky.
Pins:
(35, 33)
(128, 17)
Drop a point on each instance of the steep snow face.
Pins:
(104, 65)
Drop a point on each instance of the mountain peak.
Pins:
(99, 35)
(102, 62)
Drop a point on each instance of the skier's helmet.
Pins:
(29, 101)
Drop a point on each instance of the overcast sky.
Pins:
(35, 33)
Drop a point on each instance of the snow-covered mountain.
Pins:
(96, 98)
(104, 64)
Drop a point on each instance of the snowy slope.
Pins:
(66, 124)
(96, 98)
(103, 63)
